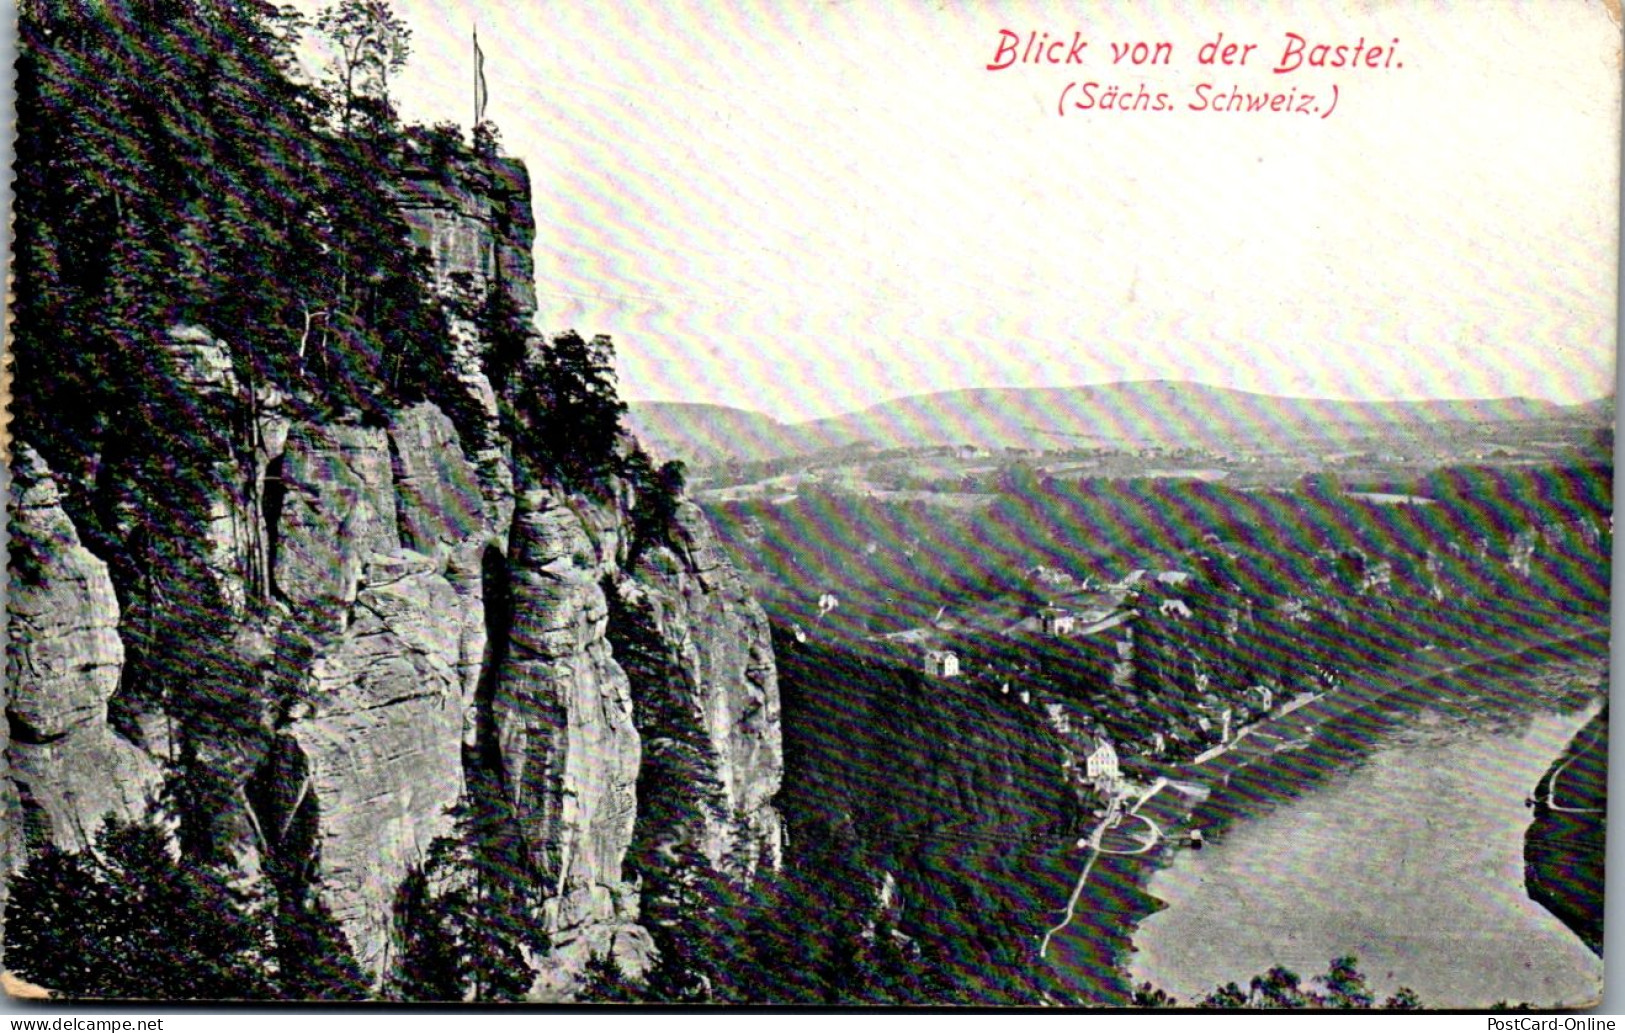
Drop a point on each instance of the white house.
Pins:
(1174, 607)
(941, 663)
(1266, 696)
(1102, 761)
(1059, 719)
(1052, 577)
(1058, 623)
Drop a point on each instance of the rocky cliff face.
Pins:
(715, 680)
(399, 617)
(68, 767)
(562, 709)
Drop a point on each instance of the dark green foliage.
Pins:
(1565, 850)
(313, 955)
(686, 903)
(1252, 556)
(1148, 996)
(429, 965)
(659, 491)
(506, 336)
(314, 958)
(1342, 988)
(691, 910)
(567, 416)
(1321, 487)
(603, 982)
(886, 967)
(129, 920)
(1229, 996)
(956, 795)
(724, 933)
(925, 557)
(171, 169)
(469, 923)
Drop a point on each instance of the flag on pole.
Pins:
(481, 94)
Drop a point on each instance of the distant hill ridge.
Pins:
(1128, 413)
(698, 432)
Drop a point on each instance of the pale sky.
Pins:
(807, 208)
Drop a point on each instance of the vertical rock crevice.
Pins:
(707, 684)
(271, 498)
(569, 751)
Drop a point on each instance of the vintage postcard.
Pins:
(854, 504)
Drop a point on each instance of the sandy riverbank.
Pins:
(1089, 955)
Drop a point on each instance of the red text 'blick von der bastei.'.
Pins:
(1232, 84)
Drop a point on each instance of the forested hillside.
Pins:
(319, 547)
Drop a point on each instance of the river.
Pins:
(1396, 835)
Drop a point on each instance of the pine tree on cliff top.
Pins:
(368, 43)
(567, 414)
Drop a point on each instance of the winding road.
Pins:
(1551, 784)
(1093, 845)
(1145, 844)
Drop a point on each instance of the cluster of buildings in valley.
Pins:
(1065, 607)
(1072, 610)
(1075, 610)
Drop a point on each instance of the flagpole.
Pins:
(482, 92)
